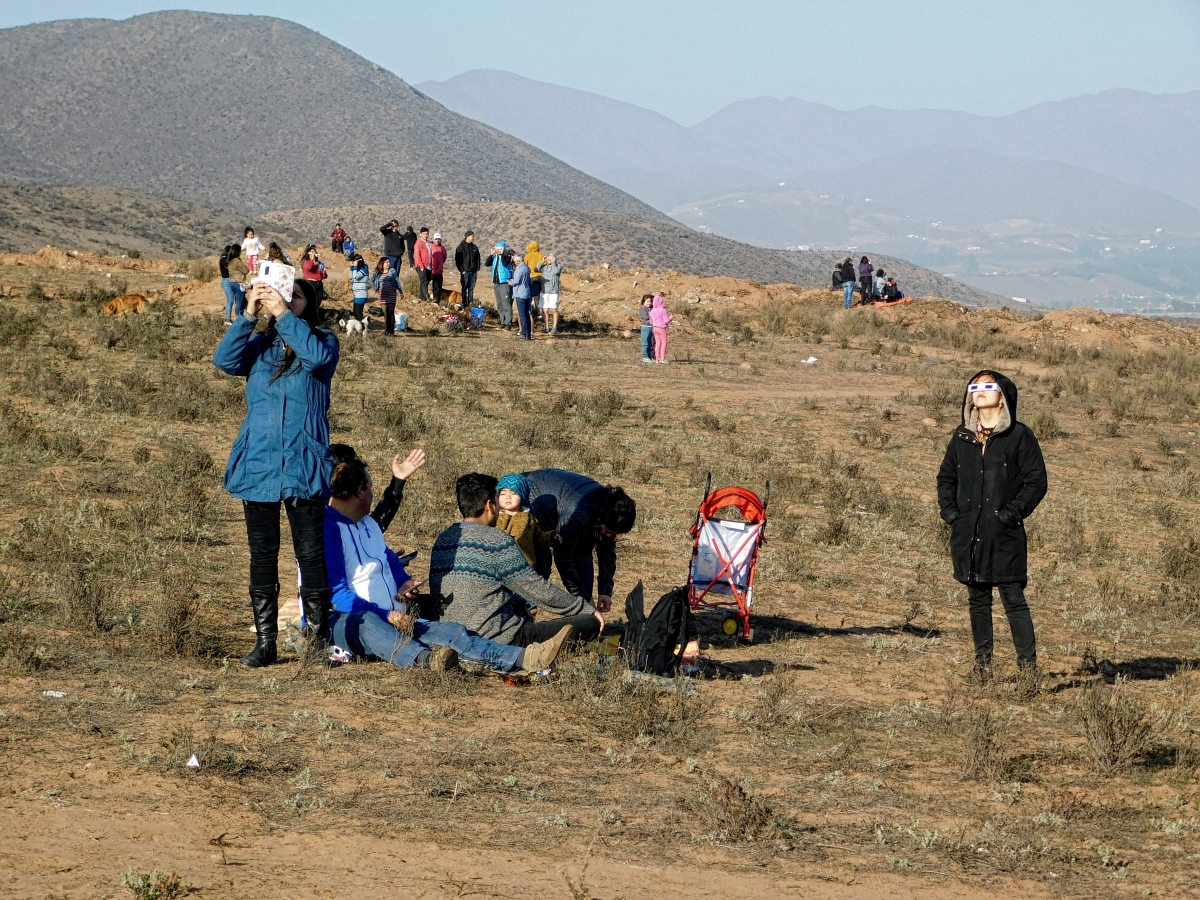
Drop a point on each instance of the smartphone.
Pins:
(416, 587)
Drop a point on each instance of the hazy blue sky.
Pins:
(689, 58)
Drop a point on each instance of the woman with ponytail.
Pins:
(281, 455)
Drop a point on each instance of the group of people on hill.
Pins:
(873, 285)
(489, 572)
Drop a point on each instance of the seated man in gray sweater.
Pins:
(481, 576)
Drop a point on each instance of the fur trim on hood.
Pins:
(1008, 411)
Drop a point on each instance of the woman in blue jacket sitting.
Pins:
(281, 454)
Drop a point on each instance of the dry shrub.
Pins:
(1118, 729)
(983, 738)
(19, 649)
(1045, 425)
(600, 407)
(778, 704)
(664, 713)
(172, 620)
(729, 814)
(1181, 559)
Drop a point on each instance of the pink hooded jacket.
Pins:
(659, 317)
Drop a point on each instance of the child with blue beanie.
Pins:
(516, 519)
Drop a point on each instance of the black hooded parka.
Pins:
(986, 493)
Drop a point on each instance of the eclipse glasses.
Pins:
(982, 386)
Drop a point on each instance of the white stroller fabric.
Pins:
(737, 542)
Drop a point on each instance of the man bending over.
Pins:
(484, 582)
(372, 593)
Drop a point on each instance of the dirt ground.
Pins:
(841, 754)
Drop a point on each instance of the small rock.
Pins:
(929, 422)
(746, 365)
(626, 333)
(926, 498)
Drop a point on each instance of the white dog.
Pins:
(353, 326)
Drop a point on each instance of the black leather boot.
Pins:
(316, 623)
(265, 603)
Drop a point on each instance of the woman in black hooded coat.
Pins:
(992, 479)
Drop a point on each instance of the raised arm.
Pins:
(318, 352)
(236, 353)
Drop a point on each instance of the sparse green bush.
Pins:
(155, 885)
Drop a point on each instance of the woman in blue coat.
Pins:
(281, 454)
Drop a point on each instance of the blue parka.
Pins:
(282, 451)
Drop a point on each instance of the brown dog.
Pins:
(118, 306)
(450, 298)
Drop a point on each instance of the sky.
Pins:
(689, 58)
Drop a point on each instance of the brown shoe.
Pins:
(542, 655)
(443, 659)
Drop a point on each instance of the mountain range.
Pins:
(1087, 186)
(255, 116)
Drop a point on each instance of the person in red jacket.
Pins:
(437, 265)
(423, 263)
(314, 270)
(337, 238)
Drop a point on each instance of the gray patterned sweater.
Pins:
(482, 578)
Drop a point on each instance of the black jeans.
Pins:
(467, 281)
(389, 317)
(587, 628)
(1020, 622)
(358, 309)
(435, 288)
(423, 276)
(307, 521)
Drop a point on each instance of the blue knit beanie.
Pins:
(518, 484)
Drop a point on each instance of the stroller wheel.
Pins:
(730, 625)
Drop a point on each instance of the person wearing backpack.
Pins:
(991, 480)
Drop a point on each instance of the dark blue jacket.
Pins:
(569, 503)
(282, 450)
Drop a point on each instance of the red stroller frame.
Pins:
(721, 573)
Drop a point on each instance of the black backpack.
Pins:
(655, 643)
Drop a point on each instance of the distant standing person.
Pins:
(422, 261)
(991, 480)
(534, 259)
(866, 278)
(337, 238)
(437, 268)
(387, 286)
(253, 248)
(521, 295)
(661, 320)
(551, 273)
(647, 328)
(393, 244)
(281, 455)
(848, 282)
(500, 263)
(466, 260)
(586, 518)
(410, 241)
(360, 282)
(233, 275)
(314, 270)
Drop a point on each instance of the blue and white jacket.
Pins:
(360, 280)
(364, 573)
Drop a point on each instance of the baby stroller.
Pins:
(724, 554)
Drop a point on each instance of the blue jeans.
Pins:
(369, 634)
(522, 304)
(395, 261)
(647, 342)
(467, 282)
(847, 294)
(235, 297)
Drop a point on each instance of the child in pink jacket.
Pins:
(659, 320)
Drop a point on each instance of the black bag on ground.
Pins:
(655, 643)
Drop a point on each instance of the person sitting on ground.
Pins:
(337, 238)
(551, 271)
(891, 292)
(482, 580)
(348, 247)
(878, 284)
(515, 518)
(402, 469)
(586, 516)
(372, 613)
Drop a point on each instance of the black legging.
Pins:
(1020, 622)
(307, 521)
(389, 317)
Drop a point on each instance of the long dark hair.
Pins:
(311, 316)
(379, 265)
(226, 255)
